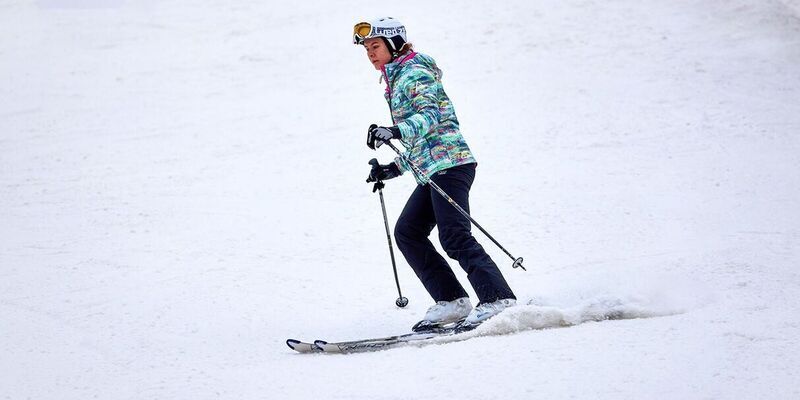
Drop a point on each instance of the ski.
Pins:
(302, 347)
(365, 345)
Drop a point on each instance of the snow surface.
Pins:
(182, 191)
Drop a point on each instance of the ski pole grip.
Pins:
(378, 183)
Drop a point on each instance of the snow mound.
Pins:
(533, 315)
(537, 316)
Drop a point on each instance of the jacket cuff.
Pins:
(406, 132)
(401, 165)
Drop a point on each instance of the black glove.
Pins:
(382, 172)
(376, 135)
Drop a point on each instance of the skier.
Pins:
(425, 122)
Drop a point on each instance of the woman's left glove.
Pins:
(376, 135)
(382, 172)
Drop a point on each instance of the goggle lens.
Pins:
(361, 31)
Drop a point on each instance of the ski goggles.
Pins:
(362, 31)
(365, 30)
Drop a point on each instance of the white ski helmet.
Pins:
(388, 28)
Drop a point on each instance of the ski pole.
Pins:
(401, 301)
(517, 261)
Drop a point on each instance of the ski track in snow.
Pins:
(181, 189)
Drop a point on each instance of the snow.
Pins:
(182, 191)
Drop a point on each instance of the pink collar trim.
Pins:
(405, 58)
(408, 56)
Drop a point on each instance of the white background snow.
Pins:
(182, 189)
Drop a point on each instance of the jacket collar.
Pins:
(389, 69)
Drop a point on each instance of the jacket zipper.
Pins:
(389, 86)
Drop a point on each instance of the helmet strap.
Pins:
(390, 46)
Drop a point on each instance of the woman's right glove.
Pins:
(382, 172)
(376, 135)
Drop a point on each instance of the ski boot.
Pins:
(483, 312)
(443, 313)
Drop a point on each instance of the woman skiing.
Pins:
(425, 122)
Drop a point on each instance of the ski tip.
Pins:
(292, 343)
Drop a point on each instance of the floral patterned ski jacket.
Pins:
(425, 116)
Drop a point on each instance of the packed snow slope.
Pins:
(182, 189)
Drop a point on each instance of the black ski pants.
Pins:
(425, 209)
